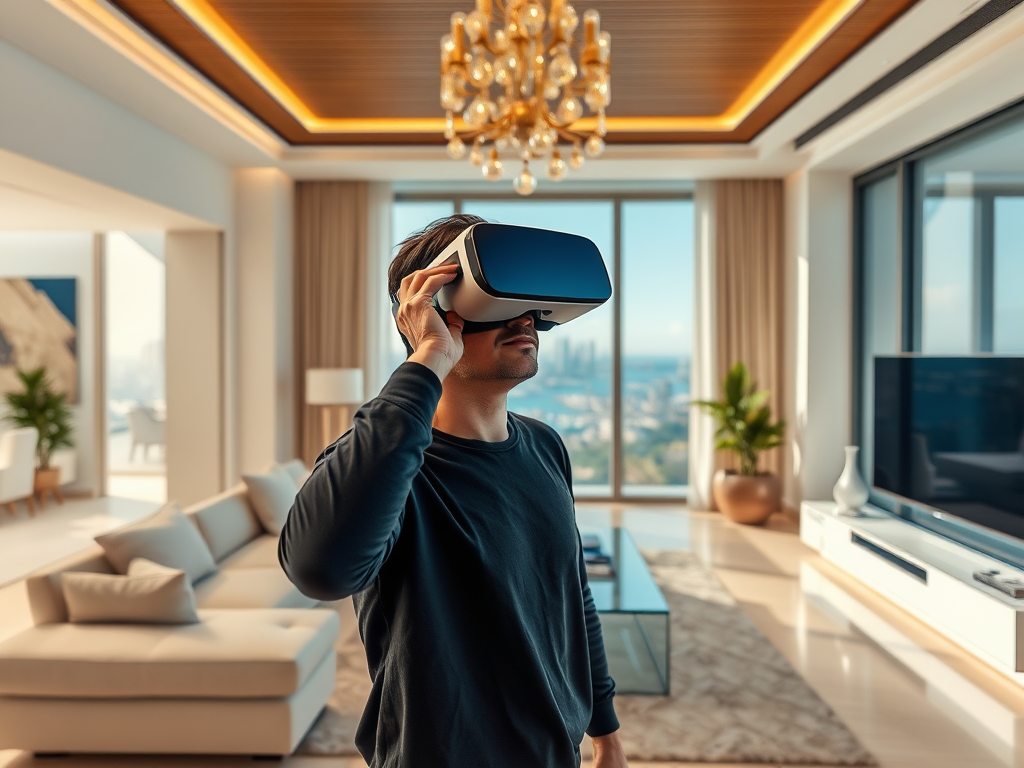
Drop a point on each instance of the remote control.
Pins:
(1007, 584)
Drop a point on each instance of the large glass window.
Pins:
(941, 255)
(879, 283)
(946, 309)
(657, 332)
(580, 373)
(573, 388)
(970, 202)
(1008, 274)
(136, 406)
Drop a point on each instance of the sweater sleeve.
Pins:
(602, 719)
(347, 516)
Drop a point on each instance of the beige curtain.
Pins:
(749, 288)
(331, 223)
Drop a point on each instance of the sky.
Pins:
(657, 253)
(1008, 317)
(948, 277)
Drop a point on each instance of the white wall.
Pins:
(818, 210)
(264, 204)
(52, 118)
(67, 254)
(195, 366)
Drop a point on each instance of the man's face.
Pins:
(508, 353)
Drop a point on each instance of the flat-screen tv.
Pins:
(949, 433)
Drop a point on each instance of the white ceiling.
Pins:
(50, 32)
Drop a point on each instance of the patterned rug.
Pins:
(734, 699)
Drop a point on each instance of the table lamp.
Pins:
(333, 389)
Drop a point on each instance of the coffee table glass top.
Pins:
(630, 589)
(634, 616)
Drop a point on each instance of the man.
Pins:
(451, 521)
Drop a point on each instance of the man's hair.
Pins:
(421, 248)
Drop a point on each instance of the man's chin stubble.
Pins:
(515, 370)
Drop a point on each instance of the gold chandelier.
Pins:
(537, 84)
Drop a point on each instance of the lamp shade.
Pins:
(334, 386)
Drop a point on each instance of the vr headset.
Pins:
(507, 271)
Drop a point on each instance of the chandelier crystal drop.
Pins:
(524, 183)
(493, 168)
(509, 68)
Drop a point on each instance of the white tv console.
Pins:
(927, 575)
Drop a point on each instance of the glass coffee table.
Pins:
(634, 616)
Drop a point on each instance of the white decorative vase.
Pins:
(850, 492)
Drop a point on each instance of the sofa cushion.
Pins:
(228, 654)
(271, 495)
(297, 470)
(250, 588)
(226, 521)
(150, 593)
(45, 595)
(261, 552)
(167, 538)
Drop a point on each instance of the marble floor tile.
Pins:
(59, 530)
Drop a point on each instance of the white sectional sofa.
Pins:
(249, 678)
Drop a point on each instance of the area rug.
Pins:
(734, 698)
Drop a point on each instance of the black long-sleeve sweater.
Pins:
(480, 631)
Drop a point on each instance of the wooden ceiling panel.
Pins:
(379, 59)
(164, 22)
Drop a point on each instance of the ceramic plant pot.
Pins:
(748, 500)
(48, 481)
(850, 492)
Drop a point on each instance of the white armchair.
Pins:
(145, 428)
(18, 467)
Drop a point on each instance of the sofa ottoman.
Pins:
(238, 682)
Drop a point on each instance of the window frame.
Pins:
(616, 470)
(910, 259)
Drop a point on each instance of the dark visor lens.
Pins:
(522, 262)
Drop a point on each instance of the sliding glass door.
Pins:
(134, 294)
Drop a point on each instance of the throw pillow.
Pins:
(271, 495)
(149, 594)
(167, 538)
(298, 471)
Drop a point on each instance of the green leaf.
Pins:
(39, 406)
(743, 419)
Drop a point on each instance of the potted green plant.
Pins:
(745, 427)
(38, 405)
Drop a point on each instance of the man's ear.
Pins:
(451, 317)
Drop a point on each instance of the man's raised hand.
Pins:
(436, 344)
